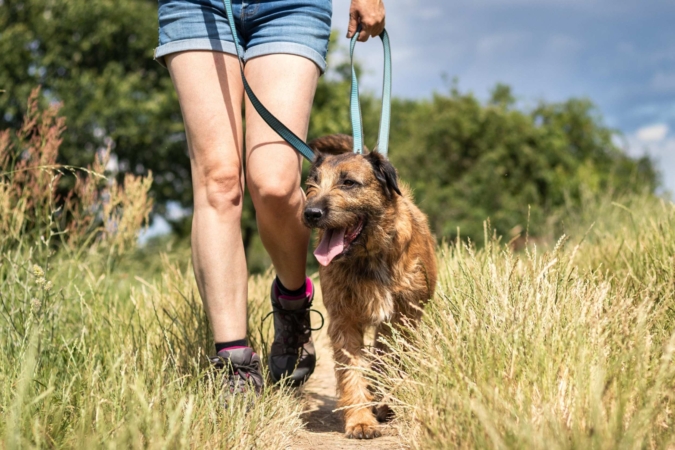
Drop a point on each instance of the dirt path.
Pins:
(324, 428)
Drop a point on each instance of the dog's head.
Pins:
(347, 194)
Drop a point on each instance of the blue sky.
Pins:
(618, 53)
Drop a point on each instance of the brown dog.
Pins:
(377, 262)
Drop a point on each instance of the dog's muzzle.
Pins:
(313, 215)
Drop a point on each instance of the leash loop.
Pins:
(354, 104)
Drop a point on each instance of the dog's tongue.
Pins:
(331, 245)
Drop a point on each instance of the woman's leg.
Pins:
(285, 84)
(210, 92)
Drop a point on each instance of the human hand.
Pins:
(368, 13)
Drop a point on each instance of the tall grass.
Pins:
(569, 348)
(97, 351)
(105, 346)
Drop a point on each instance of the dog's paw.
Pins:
(362, 431)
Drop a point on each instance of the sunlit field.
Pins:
(560, 344)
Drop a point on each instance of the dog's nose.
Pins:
(313, 214)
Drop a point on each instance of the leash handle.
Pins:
(355, 106)
(294, 141)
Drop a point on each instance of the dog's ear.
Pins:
(316, 162)
(384, 172)
(334, 144)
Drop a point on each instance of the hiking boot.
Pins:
(292, 355)
(242, 368)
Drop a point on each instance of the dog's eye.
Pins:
(349, 183)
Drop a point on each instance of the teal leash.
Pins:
(355, 108)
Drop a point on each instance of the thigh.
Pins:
(210, 93)
(285, 84)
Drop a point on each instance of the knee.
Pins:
(276, 192)
(222, 188)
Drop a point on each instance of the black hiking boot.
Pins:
(242, 367)
(292, 355)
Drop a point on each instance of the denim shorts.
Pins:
(297, 27)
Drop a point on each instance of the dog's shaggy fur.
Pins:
(378, 262)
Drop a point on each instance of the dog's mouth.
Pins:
(336, 241)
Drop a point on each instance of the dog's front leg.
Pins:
(355, 397)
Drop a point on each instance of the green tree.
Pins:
(467, 161)
(96, 57)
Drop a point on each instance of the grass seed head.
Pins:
(38, 272)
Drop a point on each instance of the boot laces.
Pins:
(296, 328)
(239, 375)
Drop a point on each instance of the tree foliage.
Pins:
(468, 161)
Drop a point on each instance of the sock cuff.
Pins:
(299, 293)
(231, 344)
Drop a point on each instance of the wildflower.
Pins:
(38, 272)
(35, 304)
(47, 287)
(40, 281)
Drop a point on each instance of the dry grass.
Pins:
(101, 348)
(570, 348)
(96, 349)
(106, 360)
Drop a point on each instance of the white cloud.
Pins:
(159, 227)
(652, 133)
(563, 45)
(662, 151)
(404, 54)
(663, 82)
(429, 13)
(500, 43)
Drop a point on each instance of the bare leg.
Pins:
(210, 92)
(285, 84)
